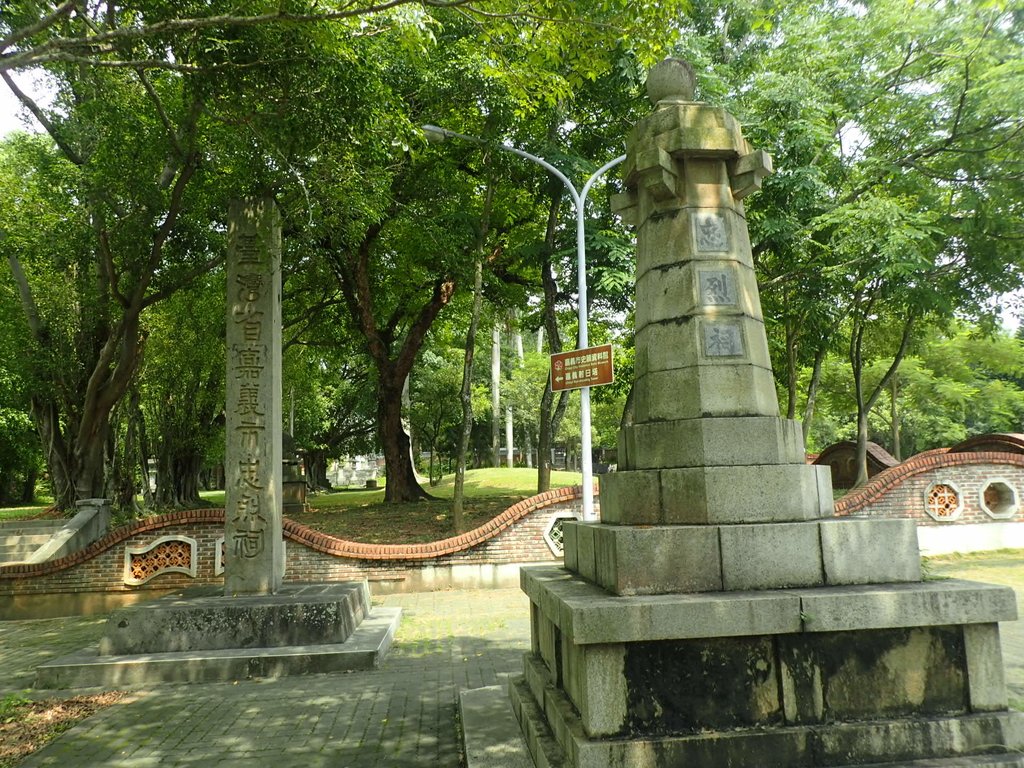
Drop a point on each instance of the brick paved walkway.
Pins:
(400, 716)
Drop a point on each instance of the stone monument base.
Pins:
(199, 635)
(821, 676)
(965, 741)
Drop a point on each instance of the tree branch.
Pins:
(49, 127)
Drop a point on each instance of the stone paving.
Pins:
(400, 716)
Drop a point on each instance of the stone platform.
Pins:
(200, 636)
(818, 676)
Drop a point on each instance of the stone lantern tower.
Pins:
(719, 615)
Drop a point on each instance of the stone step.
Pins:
(17, 551)
(491, 736)
(974, 761)
(364, 649)
(30, 526)
(25, 539)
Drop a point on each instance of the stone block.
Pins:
(625, 445)
(296, 616)
(598, 687)
(727, 389)
(920, 604)
(681, 342)
(687, 127)
(491, 735)
(678, 687)
(726, 441)
(658, 559)
(570, 546)
(706, 287)
(629, 497)
(548, 643)
(672, 241)
(252, 451)
(536, 675)
(895, 742)
(770, 556)
(544, 750)
(580, 548)
(823, 475)
(588, 615)
(985, 676)
(873, 674)
(754, 494)
(869, 551)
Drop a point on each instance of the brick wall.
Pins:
(515, 536)
(901, 490)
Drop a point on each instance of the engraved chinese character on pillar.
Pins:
(254, 549)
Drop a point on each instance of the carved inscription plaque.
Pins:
(717, 287)
(723, 339)
(710, 234)
(252, 452)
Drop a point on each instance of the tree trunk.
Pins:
(862, 448)
(894, 413)
(466, 399)
(812, 393)
(496, 396)
(401, 484)
(509, 435)
(28, 488)
(315, 462)
(393, 367)
(865, 404)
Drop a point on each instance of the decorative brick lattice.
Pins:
(943, 502)
(554, 535)
(165, 555)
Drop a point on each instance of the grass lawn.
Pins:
(27, 512)
(362, 515)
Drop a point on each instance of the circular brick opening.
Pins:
(999, 499)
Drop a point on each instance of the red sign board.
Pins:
(580, 368)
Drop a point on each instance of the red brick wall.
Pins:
(515, 536)
(900, 491)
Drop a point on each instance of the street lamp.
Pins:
(579, 199)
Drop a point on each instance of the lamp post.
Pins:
(579, 199)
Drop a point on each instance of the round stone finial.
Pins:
(671, 79)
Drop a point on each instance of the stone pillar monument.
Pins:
(718, 615)
(254, 549)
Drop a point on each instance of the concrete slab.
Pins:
(587, 614)
(364, 649)
(924, 604)
(977, 761)
(490, 732)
